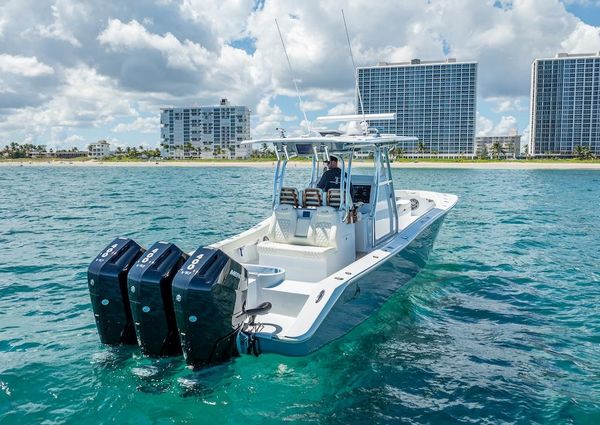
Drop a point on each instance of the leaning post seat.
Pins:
(327, 247)
(283, 224)
(289, 196)
(312, 197)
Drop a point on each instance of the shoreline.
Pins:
(500, 165)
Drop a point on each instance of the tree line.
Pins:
(16, 150)
(136, 152)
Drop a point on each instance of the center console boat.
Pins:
(318, 265)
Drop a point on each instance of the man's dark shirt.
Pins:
(330, 179)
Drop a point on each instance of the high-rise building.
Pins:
(433, 101)
(205, 131)
(565, 104)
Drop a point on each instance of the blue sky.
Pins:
(72, 72)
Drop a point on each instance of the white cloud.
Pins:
(313, 105)
(196, 36)
(342, 109)
(269, 117)
(506, 104)
(85, 99)
(583, 2)
(506, 127)
(584, 39)
(74, 139)
(143, 125)
(485, 126)
(64, 13)
(23, 65)
(227, 18)
(119, 36)
(3, 22)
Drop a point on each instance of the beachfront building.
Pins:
(99, 149)
(38, 152)
(205, 131)
(499, 146)
(433, 100)
(565, 105)
(69, 154)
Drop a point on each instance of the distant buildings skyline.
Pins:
(565, 104)
(205, 131)
(434, 101)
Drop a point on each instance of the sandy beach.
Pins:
(500, 165)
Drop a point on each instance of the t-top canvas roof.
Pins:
(306, 145)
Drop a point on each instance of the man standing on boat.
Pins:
(331, 177)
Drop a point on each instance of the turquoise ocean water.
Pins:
(503, 325)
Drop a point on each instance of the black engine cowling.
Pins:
(107, 283)
(209, 295)
(149, 283)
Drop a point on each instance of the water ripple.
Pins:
(501, 327)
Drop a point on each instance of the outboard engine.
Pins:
(209, 295)
(149, 282)
(107, 282)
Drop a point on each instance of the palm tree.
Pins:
(583, 152)
(483, 153)
(264, 148)
(421, 147)
(497, 150)
(397, 153)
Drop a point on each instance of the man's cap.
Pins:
(332, 158)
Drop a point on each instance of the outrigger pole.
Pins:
(301, 104)
(362, 109)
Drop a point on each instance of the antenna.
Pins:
(362, 109)
(293, 77)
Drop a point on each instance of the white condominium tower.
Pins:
(205, 131)
(565, 104)
(434, 101)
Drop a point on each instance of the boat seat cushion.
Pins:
(334, 198)
(312, 197)
(321, 232)
(283, 224)
(328, 245)
(324, 227)
(289, 196)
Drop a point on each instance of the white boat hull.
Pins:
(363, 294)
